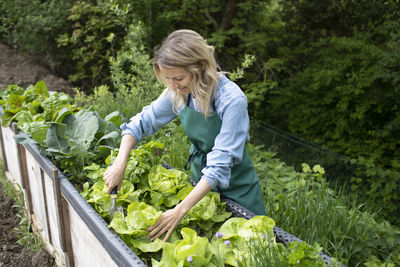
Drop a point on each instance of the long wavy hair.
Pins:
(188, 50)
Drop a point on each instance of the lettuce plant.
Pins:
(139, 217)
(201, 252)
(148, 190)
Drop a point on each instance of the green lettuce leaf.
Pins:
(144, 244)
(176, 254)
(210, 208)
(139, 217)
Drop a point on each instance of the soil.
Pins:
(23, 70)
(11, 252)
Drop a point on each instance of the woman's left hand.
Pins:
(167, 222)
(171, 218)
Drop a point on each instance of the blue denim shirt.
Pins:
(231, 107)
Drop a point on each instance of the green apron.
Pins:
(244, 187)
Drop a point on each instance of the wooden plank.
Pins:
(25, 179)
(52, 212)
(35, 184)
(67, 226)
(3, 152)
(20, 158)
(46, 209)
(59, 210)
(10, 147)
(88, 250)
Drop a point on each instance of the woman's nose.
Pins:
(173, 84)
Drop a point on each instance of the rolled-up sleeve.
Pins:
(151, 118)
(229, 144)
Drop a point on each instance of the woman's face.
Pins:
(178, 79)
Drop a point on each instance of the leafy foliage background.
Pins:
(327, 71)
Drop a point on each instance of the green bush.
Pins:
(97, 32)
(33, 26)
(350, 90)
(346, 98)
(132, 77)
(132, 71)
(378, 187)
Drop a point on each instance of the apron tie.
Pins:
(197, 151)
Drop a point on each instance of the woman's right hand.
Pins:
(114, 175)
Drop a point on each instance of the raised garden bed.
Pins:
(72, 230)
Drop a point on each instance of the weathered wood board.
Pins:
(36, 189)
(87, 249)
(52, 210)
(11, 152)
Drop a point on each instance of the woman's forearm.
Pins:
(114, 174)
(199, 191)
(127, 143)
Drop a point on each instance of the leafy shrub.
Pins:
(352, 95)
(132, 71)
(346, 98)
(97, 29)
(132, 77)
(33, 26)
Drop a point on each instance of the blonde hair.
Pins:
(188, 50)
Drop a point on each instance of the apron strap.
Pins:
(190, 99)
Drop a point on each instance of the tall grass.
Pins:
(312, 214)
(303, 204)
(262, 254)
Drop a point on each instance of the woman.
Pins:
(213, 113)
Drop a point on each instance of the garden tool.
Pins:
(114, 194)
